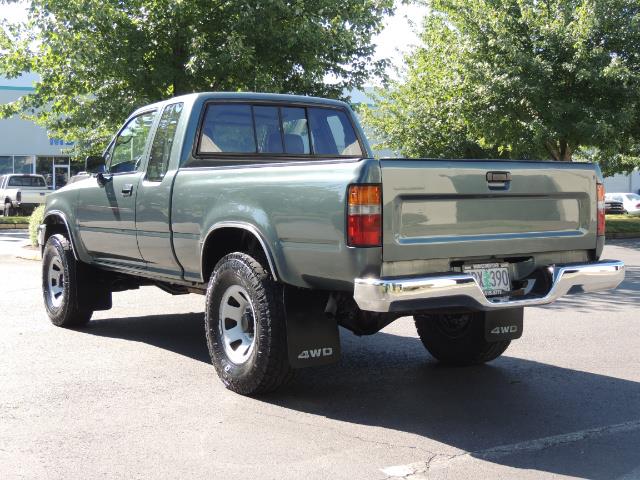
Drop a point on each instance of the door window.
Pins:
(128, 149)
(163, 142)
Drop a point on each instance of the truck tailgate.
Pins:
(33, 195)
(468, 208)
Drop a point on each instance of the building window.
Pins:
(44, 167)
(23, 164)
(6, 164)
(60, 165)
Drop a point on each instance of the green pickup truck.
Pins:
(273, 207)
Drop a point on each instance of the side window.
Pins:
(128, 149)
(163, 142)
(333, 133)
(295, 130)
(228, 128)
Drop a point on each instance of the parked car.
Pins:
(613, 208)
(21, 193)
(630, 202)
(273, 208)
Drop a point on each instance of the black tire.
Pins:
(8, 209)
(457, 338)
(63, 306)
(265, 365)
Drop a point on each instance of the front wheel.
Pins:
(60, 281)
(245, 327)
(457, 338)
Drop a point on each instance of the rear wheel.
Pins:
(457, 338)
(245, 327)
(61, 277)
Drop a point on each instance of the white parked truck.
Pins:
(21, 193)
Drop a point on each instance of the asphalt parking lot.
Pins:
(134, 396)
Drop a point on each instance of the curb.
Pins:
(613, 236)
(14, 226)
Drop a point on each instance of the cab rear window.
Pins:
(232, 128)
(26, 182)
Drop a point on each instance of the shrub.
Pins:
(34, 222)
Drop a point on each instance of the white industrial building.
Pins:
(623, 183)
(26, 147)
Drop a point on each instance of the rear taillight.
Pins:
(637, 205)
(601, 205)
(19, 197)
(364, 219)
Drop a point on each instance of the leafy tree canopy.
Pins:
(100, 59)
(555, 79)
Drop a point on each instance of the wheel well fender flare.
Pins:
(246, 228)
(56, 217)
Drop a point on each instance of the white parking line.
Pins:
(441, 460)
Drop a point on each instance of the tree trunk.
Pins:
(565, 151)
(179, 82)
(559, 151)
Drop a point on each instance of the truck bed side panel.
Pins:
(299, 209)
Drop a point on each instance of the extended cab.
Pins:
(274, 208)
(21, 193)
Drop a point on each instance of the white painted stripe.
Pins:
(528, 446)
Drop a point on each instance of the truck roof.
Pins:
(21, 175)
(249, 96)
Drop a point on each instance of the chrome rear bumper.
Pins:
(462, 290)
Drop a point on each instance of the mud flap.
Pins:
(503, 325)
(312, 335)
(94, 294)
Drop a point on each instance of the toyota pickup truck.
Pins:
(21, 193)
(274, 208)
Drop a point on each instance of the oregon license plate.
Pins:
(493, 278)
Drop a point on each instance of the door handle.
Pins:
(127, 190)
(494, 177)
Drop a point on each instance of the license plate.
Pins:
(493, 278)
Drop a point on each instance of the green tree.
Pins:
(99, 59)
(555, 79)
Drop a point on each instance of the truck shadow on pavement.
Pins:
(389, 381)
(179, 333)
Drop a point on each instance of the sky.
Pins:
(396, 39)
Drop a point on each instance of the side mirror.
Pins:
(94, 164)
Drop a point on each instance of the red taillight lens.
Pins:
(638, 205)
(601, 205)
(364, 219)
(19, 197)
